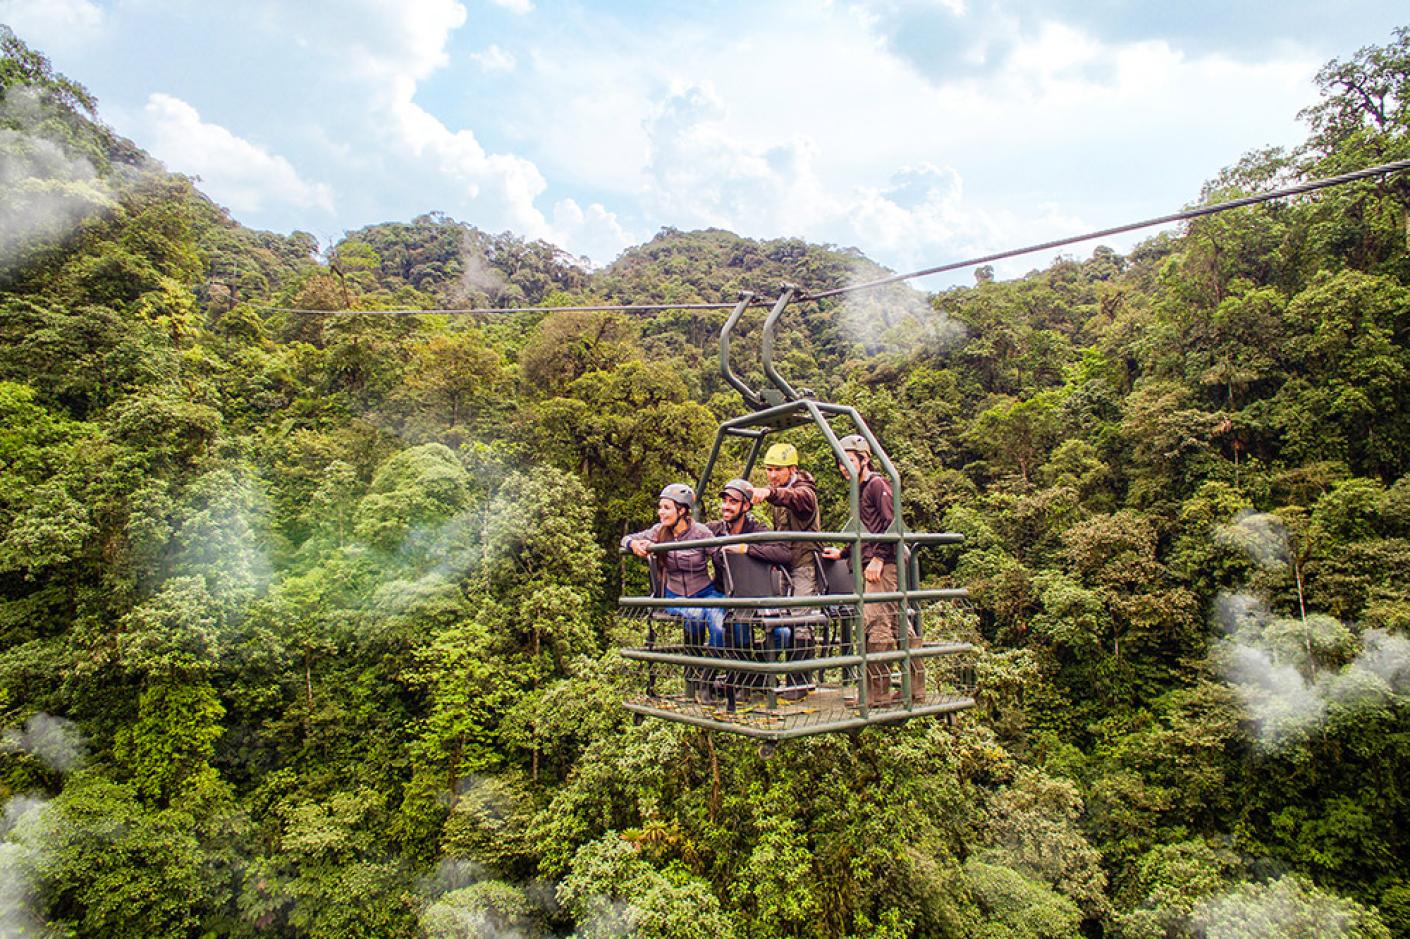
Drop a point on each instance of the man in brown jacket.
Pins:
(881, 619)
(794, 497)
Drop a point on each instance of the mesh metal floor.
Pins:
(814, 711)
(696, 689)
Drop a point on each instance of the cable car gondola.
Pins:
(763, 687)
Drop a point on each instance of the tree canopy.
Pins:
(308, 622)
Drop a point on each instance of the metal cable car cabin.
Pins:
(802, 669)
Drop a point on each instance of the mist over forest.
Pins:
(309, 622)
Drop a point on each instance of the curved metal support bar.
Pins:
(767, 351)
(751, 398)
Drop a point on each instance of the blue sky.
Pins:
(919, 131)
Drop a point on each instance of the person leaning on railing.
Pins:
(685, 572)
(735, 500)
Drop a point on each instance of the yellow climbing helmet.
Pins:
(781, 454)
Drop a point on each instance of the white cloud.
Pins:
(383, 40)
(494, 60)
(385, 52)
(813, 125)
(593, 231)
(515, 6)
(19, 896)
(47, 188)
(52, 24)
(501, 187)
(233, 171)
(700, 175)
(1278, 668)
(816, 120)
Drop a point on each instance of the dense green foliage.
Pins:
(307, 620)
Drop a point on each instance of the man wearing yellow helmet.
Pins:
(793, 494)
(794, 497)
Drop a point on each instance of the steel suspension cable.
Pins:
(1310, 186)
(603, 308)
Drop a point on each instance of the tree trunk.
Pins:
(1301, 606)
(714, 775)
(452, 776)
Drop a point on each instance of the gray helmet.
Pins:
(856, 443)
(680, 494)
(743, 487)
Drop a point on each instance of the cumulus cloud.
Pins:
(52, 24)
(385, 50)
(764, 120)
(235, 172)
(958, 36)
(494, 60)
(502, 187)
(382, 40)
(594, 231)
(700, 173)
(914, 170)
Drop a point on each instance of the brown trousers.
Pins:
(805, 584)
(880, 620)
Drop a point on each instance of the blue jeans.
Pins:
(698, 619)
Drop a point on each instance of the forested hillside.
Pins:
(308, 621)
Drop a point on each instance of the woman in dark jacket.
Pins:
(684, 572)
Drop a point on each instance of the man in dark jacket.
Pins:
(735, 499)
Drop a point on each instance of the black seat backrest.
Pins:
(835, 576)
(747, 576)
